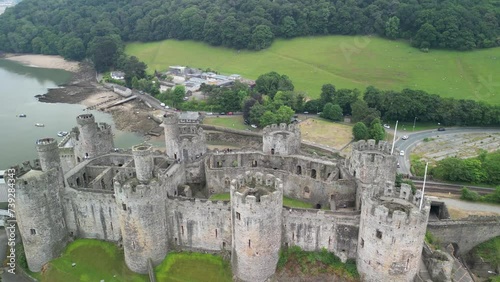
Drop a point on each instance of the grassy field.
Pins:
(234, 122)
(345, 61)
(193, 267)
(95, 261)
(325, 132)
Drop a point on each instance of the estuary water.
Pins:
(18, 86)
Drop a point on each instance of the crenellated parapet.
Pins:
(144, 163)
(383, 147)
(253, 188)
(26, 166)
(281, 139)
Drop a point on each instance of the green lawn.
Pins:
(345, 61)
(220, 197)
(234, 122)
(95, 261)
(287, 201)
(193, 267)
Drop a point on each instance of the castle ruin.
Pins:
(151, 202)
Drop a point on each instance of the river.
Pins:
(18, 86)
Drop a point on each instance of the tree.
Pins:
(262, 37)
(268, 118)
(272, 82)
(104, 52)
(284, 114)
(376, 131)
(360, 131)
(332, 112)
(327, 93)
(392, 27)
(178, 94)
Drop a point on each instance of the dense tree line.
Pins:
(96, 29)
(406, 105)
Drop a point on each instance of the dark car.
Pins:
(441, 129)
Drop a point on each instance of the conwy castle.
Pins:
(152, 203)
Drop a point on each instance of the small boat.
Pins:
(39, 124)
(62, 133)
(22, 115)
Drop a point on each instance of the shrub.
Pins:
(469, 195)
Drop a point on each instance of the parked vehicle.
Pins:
(441, 129)
(405, 137)
(402, 153)
(387, 126)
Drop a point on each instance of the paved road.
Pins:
(417, 137)
(7, 277)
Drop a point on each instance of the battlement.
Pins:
(371, 145)
(292, 128)
(85, 119)
(26, 166)
(104, 127)
(394, 211)
(170, 118)
(142, 149)
(46, 144)
(256, 188)
(198, 203)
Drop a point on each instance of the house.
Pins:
(118, 75)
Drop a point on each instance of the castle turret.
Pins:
(184, 138)
(391, 235)
(372, 163)
(281, 139)
(143, 159)
(256, 207)
(171, 128)
(142, 220)
(39, 211)
(92, 139)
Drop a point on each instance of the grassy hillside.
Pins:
(345, 61)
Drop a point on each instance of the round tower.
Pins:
(142, 219)
(372, 162)
(88, 133)
(143, 159)
(256, 206)
(171, 128)
(48, 153)
(39, 215)
(281, 139)
(391, 236)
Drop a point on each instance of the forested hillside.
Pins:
(78, 28)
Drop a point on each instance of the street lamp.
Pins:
(414, 121)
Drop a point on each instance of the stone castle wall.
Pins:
(91, 214)
(197, 224)
(313, 230)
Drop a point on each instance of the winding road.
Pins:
(415, 138)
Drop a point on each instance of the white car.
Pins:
(402, 153)
(405, 137)
(387, 126)
(162, 104)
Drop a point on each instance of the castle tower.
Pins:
(256, 207)
(281, 139)
(391, 235)
(171, 128)
(372, 163)
(142, 219)
(92, 139)
(39, 211)
(143, 159)
(48, 152)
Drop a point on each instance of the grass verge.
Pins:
(233, 122)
